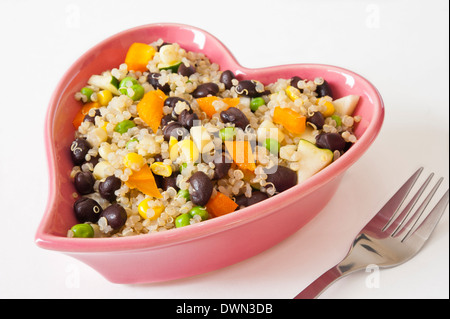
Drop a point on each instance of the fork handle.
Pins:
(320, 284)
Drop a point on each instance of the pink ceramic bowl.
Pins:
(215, 243)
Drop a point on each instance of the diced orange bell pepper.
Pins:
(292, 121)
(242, 154)
(221, 205)
(138, 56)
(206, 104)
(79, 117)
(144, 181)
(150, 108)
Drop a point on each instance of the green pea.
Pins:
(256, 102)
(138, 92)
(337, 119)
(227, 133)
(124, 126)
(127, 83)
(272, 145)
(82, 231)
(199, 210)
(87, 92)
(182, 220)
(184, 193)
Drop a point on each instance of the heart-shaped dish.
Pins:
(214, 243)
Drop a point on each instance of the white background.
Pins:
(400, 46)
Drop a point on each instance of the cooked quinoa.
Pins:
(145, 161)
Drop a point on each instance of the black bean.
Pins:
(256, 197)
(317, 120)
(186, 70)
(115, 215)
(331, 141)
(176, 130)
(173, 100)
(108, 187)
(91, 119)
(294, 81)
(227, 78)
(170, 181)
(248, 88)
(205, 89)
(84, 182)
(283, 178)
(79, 149)
(166, 120)
(324, 89)
(87, 210)
(235, 116)
(222, 165)
(153, 79)
(188, 119)
(201, 188)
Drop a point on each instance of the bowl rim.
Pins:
(50, 241)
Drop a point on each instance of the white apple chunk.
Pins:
(312, 159)
(346, 105)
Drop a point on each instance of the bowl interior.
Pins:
(111, 53)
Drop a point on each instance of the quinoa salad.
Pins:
(168, 139)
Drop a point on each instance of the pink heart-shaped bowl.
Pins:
(214, 243)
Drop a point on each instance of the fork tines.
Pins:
(405, 222)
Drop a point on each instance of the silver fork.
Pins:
(390, 238)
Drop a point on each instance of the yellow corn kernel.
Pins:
(104, 97)
(292, 93)
(329, 107)
(189, 150)
(186, 149)
(143, 209)
(134, 161)
(172, 142)
(159, 168)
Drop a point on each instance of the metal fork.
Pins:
(390, 238)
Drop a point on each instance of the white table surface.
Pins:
(402, 47)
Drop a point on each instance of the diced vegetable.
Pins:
(79, 117)
(268, 130)
(312, 159)
(105, 82)
(227, 133)
(242, 154)
(159, 168)
(329, 107)
(144, 181)
(87, 92)
(292, 121)
(143, 208)
(186, 149)
(206, 104)
(170, 57)
(200, 211)
(346, 105)
(138, 56)
(272, 145)
(221, 205)
(182, 220)
(124, 126)
(134, 161)
(293, 93)
(150, 108)
(256, 102)
(104, 97)
(201, 138)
